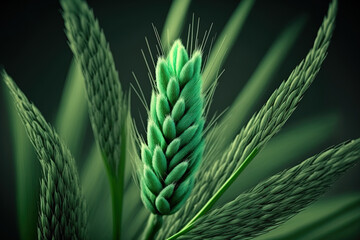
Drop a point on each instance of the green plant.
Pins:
(184, 168)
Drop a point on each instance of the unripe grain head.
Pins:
(174, 136)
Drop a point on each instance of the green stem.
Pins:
(117, 187)
(116, 200)
(216, 196)
(152, 227)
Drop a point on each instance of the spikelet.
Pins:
(174, 135)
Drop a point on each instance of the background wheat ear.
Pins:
(174, 145)
(109, 106)
(279, 197)
(62, 210)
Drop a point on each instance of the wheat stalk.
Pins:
(260, 128)
(108, 106)
(278, 198)
(62, 211)
(174, 136)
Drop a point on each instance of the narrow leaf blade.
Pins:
(174, 22)
(254, 89)
(225, 42)
(71, 118)
(97, 194)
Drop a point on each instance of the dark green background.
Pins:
(34, 51)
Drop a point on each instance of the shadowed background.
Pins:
(34, 51)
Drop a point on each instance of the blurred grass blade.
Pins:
(93, 178)
(97, 194)
(344, 230)
(132, 202)
(139, 222)
(225, 42)
(320, 221)
(174, 22)
(100, 226)
(27, 173)
(254, 89)
(292, 143)
(247, 99)
(72, 112)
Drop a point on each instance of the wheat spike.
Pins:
(278, 198)
(107, 105)
(174, 136)
(62, 211)
(260, 128)
(109, 108)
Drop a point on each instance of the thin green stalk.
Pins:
(116, 201)
(152, 227)
(117, 187)
(216, 196)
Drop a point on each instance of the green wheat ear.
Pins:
(62, 210)
(278, 198)
(174, 136)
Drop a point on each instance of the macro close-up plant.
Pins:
(181, 170)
